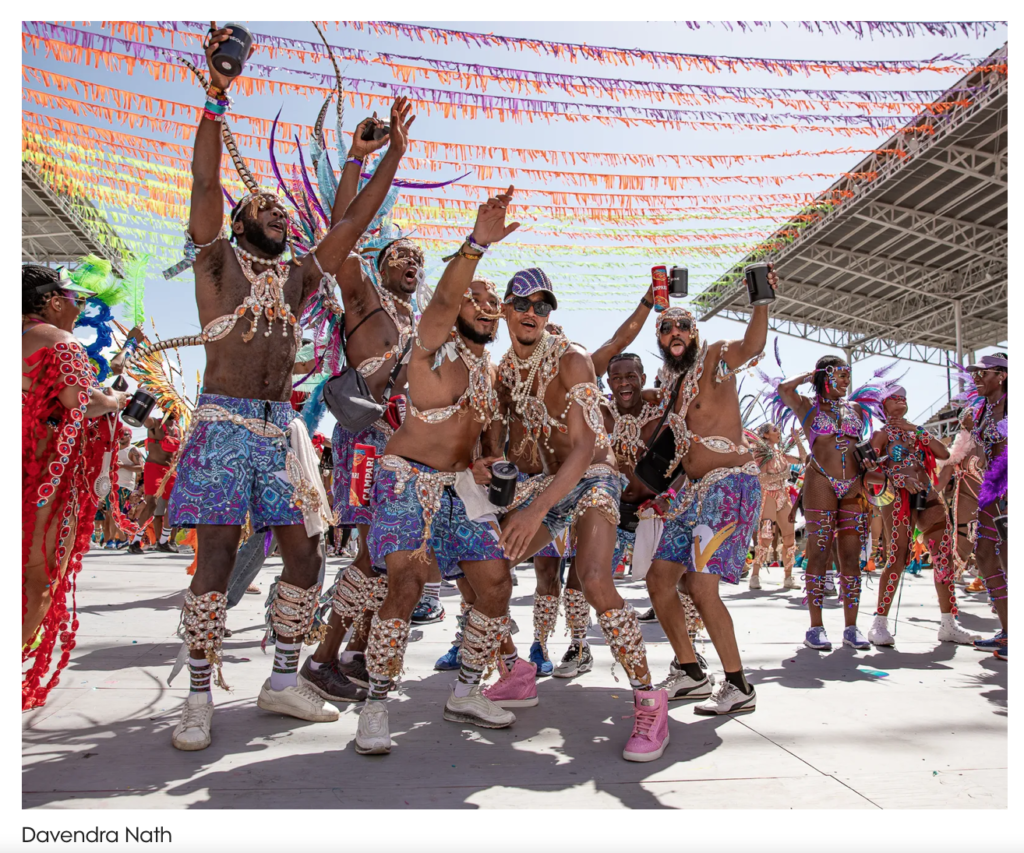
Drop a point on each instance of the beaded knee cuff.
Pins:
(577, 613)
(385, 650)
(202, 627)
(821, 527)
(996, 585)
(351, 593)
(851, 590)
(621, 631)
(545, 615)
(760, 554)
(481, 639)
(789, 558)
(292, 612)
(814, 586)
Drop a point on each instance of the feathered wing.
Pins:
(134, 284)
(997, 479)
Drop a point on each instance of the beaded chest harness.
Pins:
(542, 366)
(626, 438)
(404, 325)
(986, 431)
(479, 395)
(902, 453)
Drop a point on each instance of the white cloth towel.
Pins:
(316, 514)
(648, 535)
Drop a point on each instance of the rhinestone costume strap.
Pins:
(203, 619)
(429, 485)
(292, 612)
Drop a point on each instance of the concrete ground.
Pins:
(923, 725)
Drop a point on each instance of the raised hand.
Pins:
(362, 148)
(773, 277)
(401, 121)
(490, 224)
(216, 38)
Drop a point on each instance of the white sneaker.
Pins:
(477, 710)
(754, 582)
(879, 634)
(372, 734)
(790, 582)
(300, 701)
(193, 729)
(679, 685)
(728, 699)
(951, 632)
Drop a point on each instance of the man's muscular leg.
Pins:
(338, 625)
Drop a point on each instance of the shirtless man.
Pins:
(547, 563)
(549, 387)
(910, 455)
(163, 438)
(239, 457)
(712, 507)
(419, 520)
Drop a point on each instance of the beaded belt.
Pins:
(697, 490)
(528, 489)
(430, 485)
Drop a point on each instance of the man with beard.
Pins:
(247, 451)
(376, 294)
(713, 506)
(549, 387)
(420, 520)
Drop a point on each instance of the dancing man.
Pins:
(549, 386)
(910, 453)
(245, 432)
(420, 522)
(711, 509)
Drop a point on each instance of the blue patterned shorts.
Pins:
(399, 521)
(226, 472)
(551, 549)
(599, 487)
(713, 534)
(624, 542)
(343, 444)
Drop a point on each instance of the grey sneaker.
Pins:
(193, 730)
(728, 699)
(330, 682)
(300, 701)
(575, 661)
(372, 734)
(355, 670)
(476, 709)
(679, 685)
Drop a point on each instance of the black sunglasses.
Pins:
(682, 324)
(521, 304)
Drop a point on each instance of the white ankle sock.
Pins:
(286, 665)
(348, 657)
(462, 690)
(314, 666)
(165, 536)
(137, 539)
(432, 591)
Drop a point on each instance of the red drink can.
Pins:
(659, 275)
(364, 458)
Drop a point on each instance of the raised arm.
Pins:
(439, 316)
(756, 335)
(787, 391)
(343, 236)
(624, 335)
(206, 217)
(351, 169)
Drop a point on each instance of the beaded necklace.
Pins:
(266, 295)
(986, 431)
(542, 366)
(626, 437)
(404, 324)
(479, 394)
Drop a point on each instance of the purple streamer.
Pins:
(267, 541)
(310, 192)
(274, 166)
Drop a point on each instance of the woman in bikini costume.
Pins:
(832, 496)
(775, 502)
(910, 455)
(65, 438)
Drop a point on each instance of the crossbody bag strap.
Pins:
(394, 373)
(668, 410)
(346, 335)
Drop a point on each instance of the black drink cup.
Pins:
(865, 452)
(138, 409)
(679, 282)
(229, 58)
(375, 132)
(758, 289)
(503, 483)
(919, 501)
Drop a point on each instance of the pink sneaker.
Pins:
(650, 731)
(516, 688)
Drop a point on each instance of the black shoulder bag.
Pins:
(347, 395)
(652, 468)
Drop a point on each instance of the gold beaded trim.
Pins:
(577, 611)
(622, 633)
(291, 614)
(430, 486)
(545, 617)
(385, 650)
(203, 619)
(481, 639)
(351, 593)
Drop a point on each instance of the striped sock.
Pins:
(286, 665)
(199, 676)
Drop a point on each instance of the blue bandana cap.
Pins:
(533, 280)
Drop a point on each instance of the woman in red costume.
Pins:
(66, 445)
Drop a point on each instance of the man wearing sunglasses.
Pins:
(552, 406)
(711, 509)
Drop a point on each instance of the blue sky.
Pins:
(172, 303)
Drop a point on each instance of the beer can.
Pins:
(364, 459)
(659, 276)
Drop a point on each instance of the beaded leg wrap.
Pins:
(821, 526)
(789, 559)
(854, 521)
(291, 615)
(814, 586)
(694, 624)
(621, 631)
(996, 585)
(943, 565)
(202, 627)
(481, 640)
(385, 650)
(352, 593)
(460, 622)
(602, 502)
(577, 613)
(851, 590)
(760, 555)
(545, 615)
